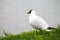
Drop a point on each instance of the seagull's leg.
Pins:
(35, 31)
(40, 31)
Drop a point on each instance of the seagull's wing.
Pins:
(41, 22)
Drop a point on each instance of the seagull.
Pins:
(38, 22)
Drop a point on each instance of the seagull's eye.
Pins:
(29, 12)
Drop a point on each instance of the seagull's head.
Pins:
(31, 11)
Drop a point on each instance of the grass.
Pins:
(33, 35)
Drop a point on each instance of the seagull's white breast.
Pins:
(37, 22)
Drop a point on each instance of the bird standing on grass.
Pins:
(38, 22)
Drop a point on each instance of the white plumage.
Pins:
(37, 22)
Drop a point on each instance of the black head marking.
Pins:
(30, 11)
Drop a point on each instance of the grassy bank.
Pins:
(33, 35)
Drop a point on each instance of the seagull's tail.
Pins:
(51, 28)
